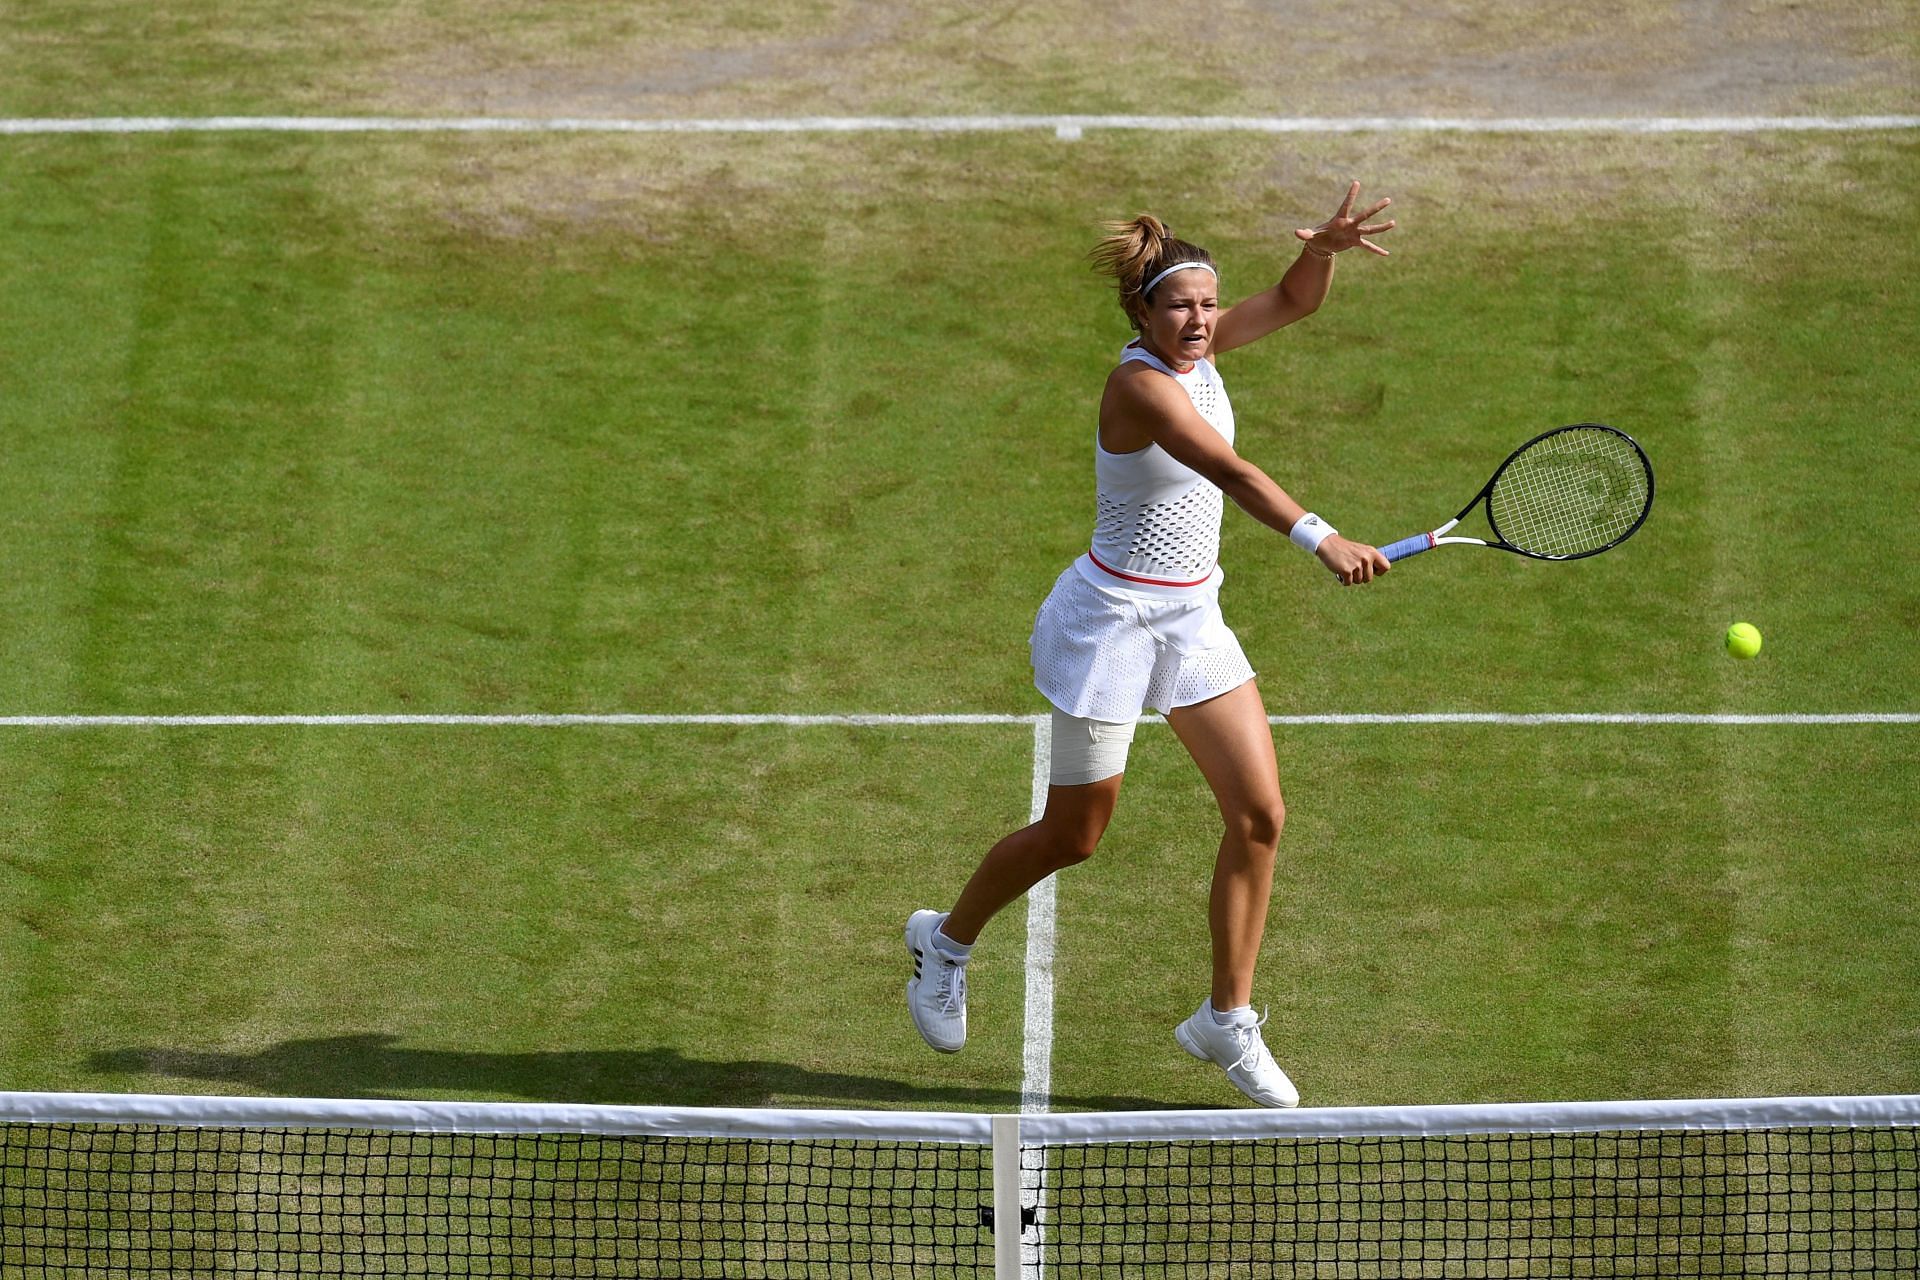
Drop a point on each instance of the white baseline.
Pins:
(1062, 126)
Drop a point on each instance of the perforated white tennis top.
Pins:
(1157, 529)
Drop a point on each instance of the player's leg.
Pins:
(1089, 759)
(1067, 832)
(1230, 740)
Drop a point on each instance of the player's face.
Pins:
(1179, 320)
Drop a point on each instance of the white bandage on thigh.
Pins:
(1087, 750)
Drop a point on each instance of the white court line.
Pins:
(1605, 717)
(1063, 126)
(1036, 1085)
(532, 720)
(535, 720)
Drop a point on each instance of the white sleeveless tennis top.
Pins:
(1157, 530)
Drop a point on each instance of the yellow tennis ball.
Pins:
(1743, 640)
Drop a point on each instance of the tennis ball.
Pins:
(1743, 640)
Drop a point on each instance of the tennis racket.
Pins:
(1565, 494)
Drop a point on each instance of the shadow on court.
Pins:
(375, 1066)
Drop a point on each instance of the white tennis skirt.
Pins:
(1105, 654)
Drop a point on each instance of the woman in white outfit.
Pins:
(1136, 622)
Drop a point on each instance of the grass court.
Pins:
(723, 424)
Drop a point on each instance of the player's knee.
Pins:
(1075, 845)
(1259, 824)
(1071, 855)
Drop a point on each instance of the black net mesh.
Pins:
(1787, 1202)
(146, 1199)
(140, 1200)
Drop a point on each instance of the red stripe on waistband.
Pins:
(1152, 582)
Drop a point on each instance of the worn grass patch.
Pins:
(96, 57)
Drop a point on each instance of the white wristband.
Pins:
(1309, 531)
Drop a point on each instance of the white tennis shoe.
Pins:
(937, 991)
(1239, 1051)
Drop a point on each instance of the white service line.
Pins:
(537, 720)
(1067, 127)
(1605, 717)
(531, 720)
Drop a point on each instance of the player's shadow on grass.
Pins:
(376, 1066)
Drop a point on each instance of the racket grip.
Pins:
(1407, 547)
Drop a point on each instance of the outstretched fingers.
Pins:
(1344, 230)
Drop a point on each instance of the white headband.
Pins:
(1178, 266)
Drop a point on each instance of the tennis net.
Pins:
(145, 1185)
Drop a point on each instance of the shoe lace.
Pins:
(951, 986)
(1252, 1047)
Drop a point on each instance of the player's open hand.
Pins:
(1351, 562)
(1346, 229)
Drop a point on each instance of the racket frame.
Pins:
(1437, 537)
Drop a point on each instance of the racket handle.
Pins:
(1407, 547)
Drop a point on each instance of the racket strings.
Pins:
(1574, 492)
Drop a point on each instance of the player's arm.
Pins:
(1143, 405)
(1304, 286)
(1298, 295)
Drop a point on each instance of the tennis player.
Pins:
(1136, 622)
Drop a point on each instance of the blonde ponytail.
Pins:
(1132, 253)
